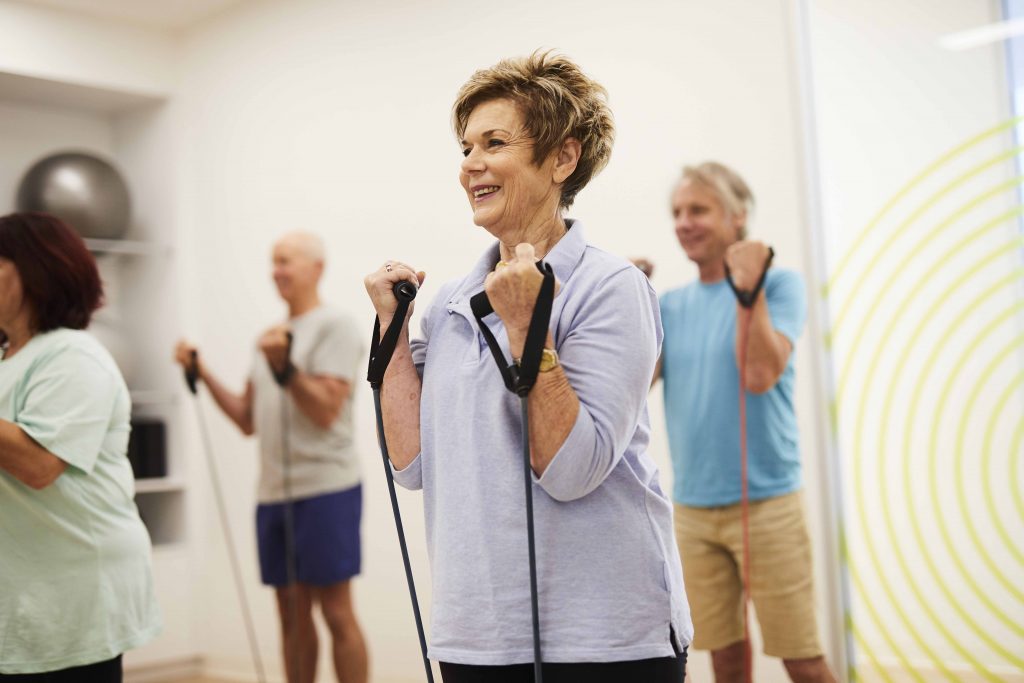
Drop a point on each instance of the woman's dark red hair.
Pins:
(59, 278)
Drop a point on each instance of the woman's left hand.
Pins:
(512, 290)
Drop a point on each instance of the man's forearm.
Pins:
(319, 399)
(766, 354)
(235, 406)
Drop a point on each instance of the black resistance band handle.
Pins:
(747, 297)
(192, 372)
(289, 369)
(404, 290)
(520, 379)
(382, 348)
(481, 305)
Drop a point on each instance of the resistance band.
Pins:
(381, 350)
(291, 567)
(519, 379)
(192, 380)
(746, 299)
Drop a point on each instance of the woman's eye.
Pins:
(465, 152)
(495, 142)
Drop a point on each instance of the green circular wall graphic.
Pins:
(927, 341)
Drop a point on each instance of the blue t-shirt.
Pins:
(702, 395)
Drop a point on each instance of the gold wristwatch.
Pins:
(548, 360)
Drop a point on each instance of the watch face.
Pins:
(548, 360)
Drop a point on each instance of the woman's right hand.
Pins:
(380, 283)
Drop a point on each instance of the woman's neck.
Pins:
(18, 333)
(543, 236)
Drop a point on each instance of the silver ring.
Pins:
(387, 267)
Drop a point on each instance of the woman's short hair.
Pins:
(557, 101)
(730, 188)
(59, 278)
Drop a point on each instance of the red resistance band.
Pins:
(746, 299)
(743, 321)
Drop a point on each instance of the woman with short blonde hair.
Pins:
(534, 132)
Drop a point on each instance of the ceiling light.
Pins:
(982, 35)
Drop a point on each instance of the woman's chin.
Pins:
(482, 220)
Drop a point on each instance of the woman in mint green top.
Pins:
(76, 588)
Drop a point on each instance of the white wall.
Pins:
(334, 117)
(62, 46)
(925, 435)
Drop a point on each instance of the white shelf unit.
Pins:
(159, 485)
(142, 397)
(134, 271)
(126, 248)
(41, 116)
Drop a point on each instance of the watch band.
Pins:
(285, 376)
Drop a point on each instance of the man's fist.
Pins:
(746, 261)
(274, 345)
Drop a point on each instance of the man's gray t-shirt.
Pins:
(320, 460)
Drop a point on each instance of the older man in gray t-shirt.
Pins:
(321, 458)
(298, 400)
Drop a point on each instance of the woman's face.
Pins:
(12, 296)
(507, 191)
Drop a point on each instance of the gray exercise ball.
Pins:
(82, 190)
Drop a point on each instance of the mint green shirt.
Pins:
(76, 585)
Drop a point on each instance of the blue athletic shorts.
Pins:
(326, 535)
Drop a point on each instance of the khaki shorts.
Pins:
(781, 582)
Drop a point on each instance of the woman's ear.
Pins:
(566, 159)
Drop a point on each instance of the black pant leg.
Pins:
(109, 671)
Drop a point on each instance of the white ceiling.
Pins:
(163, 14)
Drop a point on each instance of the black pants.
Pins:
(660, 670)
(101, 672)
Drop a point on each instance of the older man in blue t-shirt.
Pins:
(699, 366)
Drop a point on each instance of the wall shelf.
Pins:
(32, 89)
(163, 513)
(127, 247)
(143, 398)
(159, 485)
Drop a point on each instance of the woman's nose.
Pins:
(473, 162)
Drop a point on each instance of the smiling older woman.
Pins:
(533, 133)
